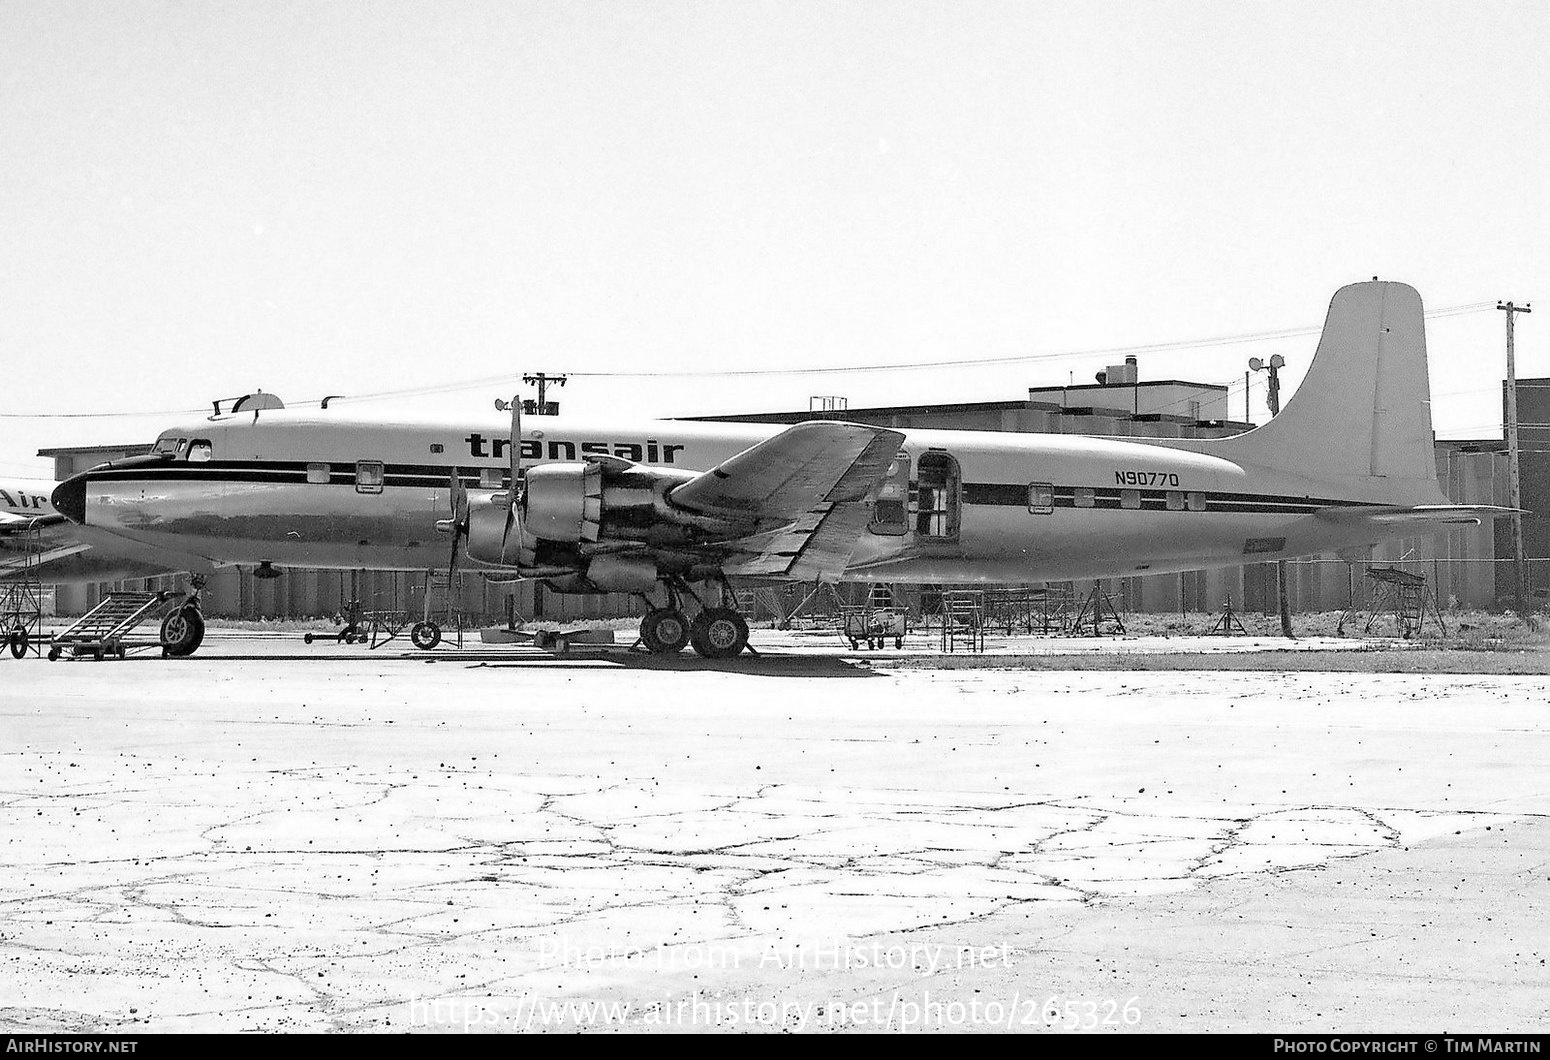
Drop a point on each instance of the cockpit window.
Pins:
(165, 445)
(199, 450)
(182, 447)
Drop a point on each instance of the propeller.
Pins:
(516, 498)
(457, 526)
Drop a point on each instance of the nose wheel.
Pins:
(182, 632)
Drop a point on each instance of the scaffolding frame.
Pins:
(21, 603)
(1402, 594)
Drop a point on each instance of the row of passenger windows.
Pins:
(370, 476)
(1041, 499)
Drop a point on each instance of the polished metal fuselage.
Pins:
(286, 488)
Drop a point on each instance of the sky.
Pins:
(200, 199)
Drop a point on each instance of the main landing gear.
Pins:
(716, 632)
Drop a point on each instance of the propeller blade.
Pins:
(514, 504)
(457, 498)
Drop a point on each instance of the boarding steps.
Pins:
(107, 628)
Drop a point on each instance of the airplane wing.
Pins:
(816, 547)
(790, 476)
(1420, 514)
(13, 563)
(11, 523)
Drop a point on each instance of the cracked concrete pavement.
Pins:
(356, 841)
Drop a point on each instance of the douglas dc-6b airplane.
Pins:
(658, 508)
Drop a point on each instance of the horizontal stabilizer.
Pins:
(1389, 515)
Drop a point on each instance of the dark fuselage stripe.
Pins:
(975, 494)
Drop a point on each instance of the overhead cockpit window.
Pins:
(199, 450)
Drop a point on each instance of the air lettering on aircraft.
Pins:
(650, 452)
(23, 500)
(1145, 478)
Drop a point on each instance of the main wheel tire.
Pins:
(664, 631)
(718, 633)
(182, 632)
(425, 635)
(18, 642)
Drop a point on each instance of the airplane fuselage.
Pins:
(327, 490)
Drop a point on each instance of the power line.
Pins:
(863, 369)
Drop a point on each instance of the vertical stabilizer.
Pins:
(1363, 411)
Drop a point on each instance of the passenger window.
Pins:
(1175, 501)
(1041, 498)
(199, 451)
(317, 473)
(492, 478)
(368, 476)
(1130, 498)
(1196, 501)
(1084, 496)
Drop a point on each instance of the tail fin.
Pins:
(1363, 410)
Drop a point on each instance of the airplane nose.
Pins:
(69, 499)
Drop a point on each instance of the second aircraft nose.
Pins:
(69, 499)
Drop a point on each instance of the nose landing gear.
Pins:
(183, 630)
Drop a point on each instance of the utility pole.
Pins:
(1273, 399)
(541, 407)
(1514, 483)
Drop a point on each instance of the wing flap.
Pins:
(815, 547)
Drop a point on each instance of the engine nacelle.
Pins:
(564, 502)
(571, 509)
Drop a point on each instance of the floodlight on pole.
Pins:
(1273, 399)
